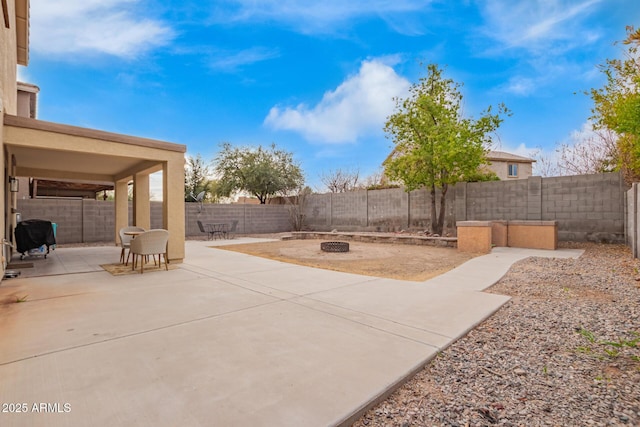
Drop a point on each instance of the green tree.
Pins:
(197, 179)
(258, 171)
(435, 146)
(617, 105)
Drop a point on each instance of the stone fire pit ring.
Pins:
(334, 246)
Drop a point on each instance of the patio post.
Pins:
(141, 203)
(121, 206)
(173, 205)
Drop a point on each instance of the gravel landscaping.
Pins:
(564, 351)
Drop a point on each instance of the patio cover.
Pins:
(55, 151)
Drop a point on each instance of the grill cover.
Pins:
(33, 233)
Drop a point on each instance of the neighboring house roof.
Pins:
(507, 157)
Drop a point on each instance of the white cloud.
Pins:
(544, 36)
(230, 62)
(535, 25)
(311, 16)
(64, 27)
(586, 132)
(358, 107)
(521, 86)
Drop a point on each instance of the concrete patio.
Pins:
(225, 339)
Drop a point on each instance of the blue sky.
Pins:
(317, 78)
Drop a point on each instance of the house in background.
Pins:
(27, 100)
(510, 166)
(31, 148)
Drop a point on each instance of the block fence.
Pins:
(633, 220)
(587, 207)
(86, 221)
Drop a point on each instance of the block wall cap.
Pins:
(473, 223)
(547, 223)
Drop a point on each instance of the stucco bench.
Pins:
(481, 236)
(533, 234)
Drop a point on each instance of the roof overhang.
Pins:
(55, 151)
(22, 31)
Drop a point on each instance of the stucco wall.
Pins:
(501, 168)
(8, 70)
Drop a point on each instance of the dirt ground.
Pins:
(394, 261)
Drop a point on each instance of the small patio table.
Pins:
(217, 229)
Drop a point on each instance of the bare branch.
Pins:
(341, 180)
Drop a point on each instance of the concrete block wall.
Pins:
(98, 221)
(266, 219)
(67, 214)
(419, 209)
(349, 209)
(317, 210)
(384, 210)
(587, 207)
(485, 201)
(86, 220)
(156, 215)
(387, 210)
(252, 219)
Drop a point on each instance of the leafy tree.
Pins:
(482, 175)
(196, 179)
(258, 171)
(617, 105)
(435, 146)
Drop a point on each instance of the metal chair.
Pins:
(230, 233)
(152, 242)
(207, 230)
(125, 241)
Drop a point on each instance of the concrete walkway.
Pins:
(227, 340)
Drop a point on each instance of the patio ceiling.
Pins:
(47, 163)
(54, 151)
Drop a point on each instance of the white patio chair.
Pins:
(152, 242)
(125, 240)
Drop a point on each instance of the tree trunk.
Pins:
(434, 213)
(443, 203)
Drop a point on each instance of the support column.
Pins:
(173, 206)
(122, 207)
(141, 203)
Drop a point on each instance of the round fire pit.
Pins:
(334, 246)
